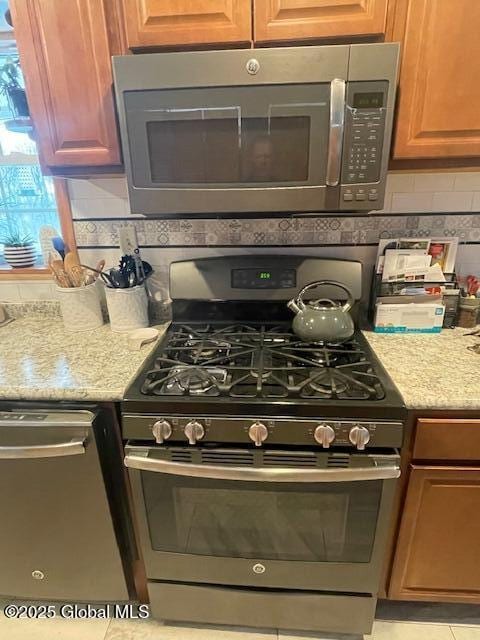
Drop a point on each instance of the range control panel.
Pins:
(274, 278)
(363, 141)
(261, 431)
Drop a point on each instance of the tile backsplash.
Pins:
(416, 205)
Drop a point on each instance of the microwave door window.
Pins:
(228, 150)
(229, 137)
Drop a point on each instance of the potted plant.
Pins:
(18, 248)
(10, 76)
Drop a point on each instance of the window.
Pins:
(27, 198)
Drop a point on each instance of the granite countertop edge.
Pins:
(48, 363)
(431, 371)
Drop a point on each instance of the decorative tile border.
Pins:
(278, 231)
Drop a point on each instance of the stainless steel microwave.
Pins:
(300, 129)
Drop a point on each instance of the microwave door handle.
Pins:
(139, 460)
(335, 136)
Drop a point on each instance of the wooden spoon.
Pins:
(59, 273)
(74, 269)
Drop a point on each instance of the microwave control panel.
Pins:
(365, 116)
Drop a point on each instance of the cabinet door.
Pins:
(66, 60)
(157, 23)
(439, 81)
(301, 19)
(438, 550)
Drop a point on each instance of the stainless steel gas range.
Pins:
(263, 468)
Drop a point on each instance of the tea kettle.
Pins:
(322, 320)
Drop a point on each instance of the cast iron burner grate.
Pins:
(246, 361)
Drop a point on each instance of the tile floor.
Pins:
(401, 621)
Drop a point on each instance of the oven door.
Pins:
(292, 520)
(230, 149)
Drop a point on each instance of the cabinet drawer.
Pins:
(447, 440)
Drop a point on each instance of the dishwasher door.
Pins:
(57, 539)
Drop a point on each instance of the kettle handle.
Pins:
(346, 307)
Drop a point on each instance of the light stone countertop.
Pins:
(39, 360)
(432, 371)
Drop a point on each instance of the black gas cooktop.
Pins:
(198, 365)
(245, 361)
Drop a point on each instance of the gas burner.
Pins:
(323, 358)
(194, 381)
(328, 386)
(201, 350)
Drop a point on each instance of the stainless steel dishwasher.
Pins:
(58, 534)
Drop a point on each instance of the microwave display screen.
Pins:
(263, 278)
(229, 150)
(372, 100)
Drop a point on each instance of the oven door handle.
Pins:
(335, 135)
(140, 460)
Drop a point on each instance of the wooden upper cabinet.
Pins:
(438, 113)
(65, 53)
(438, 550)
(160, 23)
(303, 19)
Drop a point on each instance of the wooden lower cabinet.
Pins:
(438, 550)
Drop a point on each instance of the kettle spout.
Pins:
(293, 306)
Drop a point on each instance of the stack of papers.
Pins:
(416, 259)
(410, 261)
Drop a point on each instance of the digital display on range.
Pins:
(263, 278)
(371, 100)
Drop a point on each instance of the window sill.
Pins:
(32, 273)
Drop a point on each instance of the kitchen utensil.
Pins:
(322, 320)
(59, 273)
(100, 265)
(74, 269)
(140, 337)
(104, 275)
(45, 236)
(130, 273)
(59, 246)
(129, 247)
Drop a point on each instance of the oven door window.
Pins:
(230, 137)
(327, 522)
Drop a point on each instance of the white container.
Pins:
(20, 257)
(127, 308)
(80, 307)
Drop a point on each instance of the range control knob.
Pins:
(258, 433)
(194, 431)
(359, 436)
(162, 430)
(324, 435)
